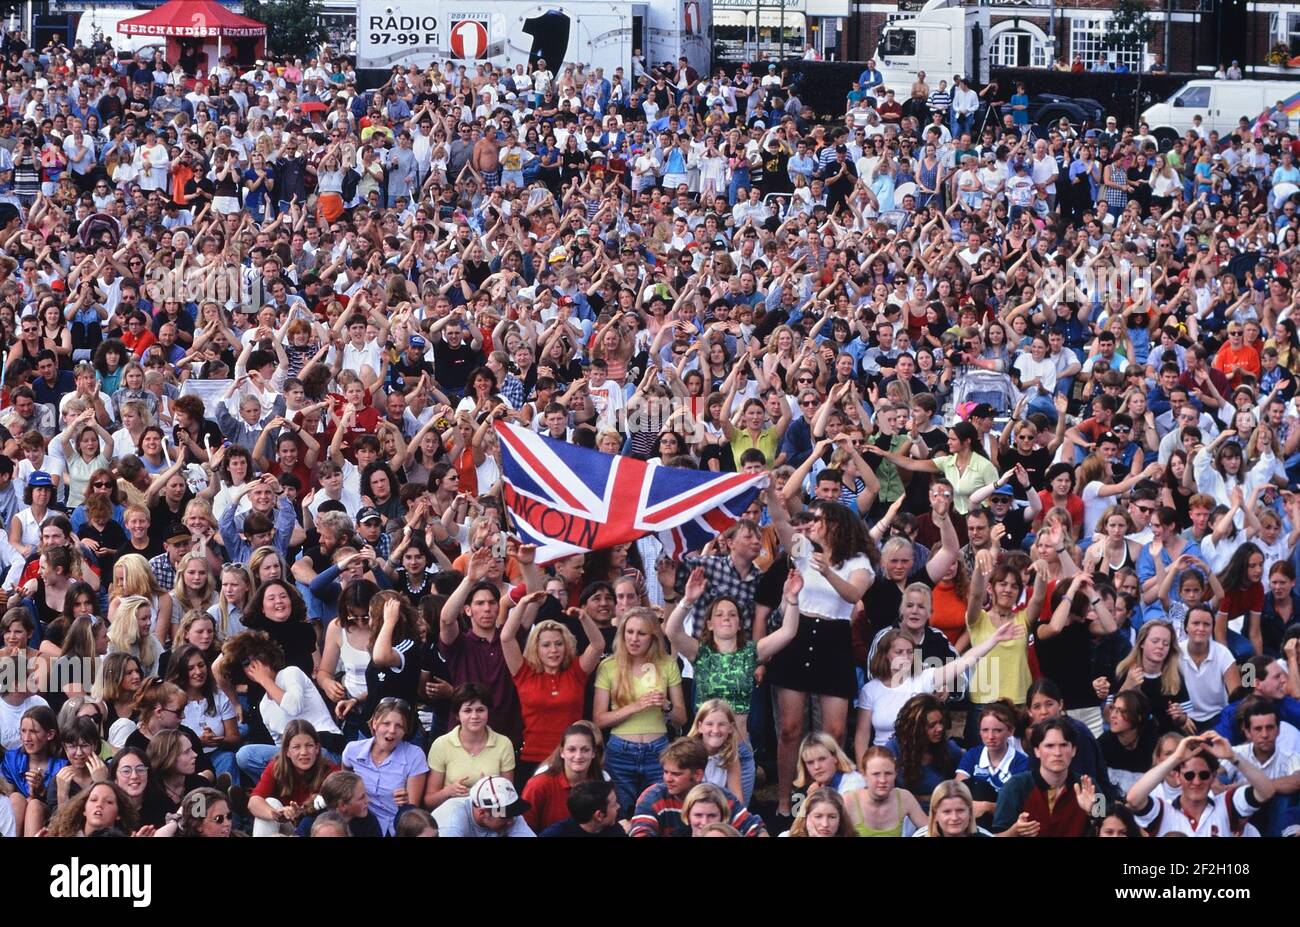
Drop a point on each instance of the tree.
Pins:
(1130, 29)
(292, 26)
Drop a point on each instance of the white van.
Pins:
(1219, 103)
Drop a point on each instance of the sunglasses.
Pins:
(1203, 775)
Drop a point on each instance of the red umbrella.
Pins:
(312, 106)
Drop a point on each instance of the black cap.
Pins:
(983, 410)
(368, 513)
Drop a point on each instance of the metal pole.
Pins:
(758, 41)
(780, 55)
(1169, 24)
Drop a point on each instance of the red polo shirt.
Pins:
(550, 703)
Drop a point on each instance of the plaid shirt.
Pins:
(512, 390)
(723, 579)
(163, 571)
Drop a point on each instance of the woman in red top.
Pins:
(1243, 596)
(549, 675)
(948, 605)
(290, 781)
(1060, 494)
(577, 758)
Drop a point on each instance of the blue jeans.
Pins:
(1241, 647)
(223, 761)
(1043, 404)
(746, 772)
(252, 760)
(633, 767)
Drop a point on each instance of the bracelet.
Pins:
(1095, 601)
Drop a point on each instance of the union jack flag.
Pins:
(569, 500)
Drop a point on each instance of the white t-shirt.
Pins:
(1205, 684)
(818, 597)
(1031, 369)
(11, 716)
(196, 717)
(885, 702)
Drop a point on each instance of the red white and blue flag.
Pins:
(570, 500)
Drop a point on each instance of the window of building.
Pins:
(1018, 49)
(1087, 34)
(1292, 36)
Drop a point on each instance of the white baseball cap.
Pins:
(498, 795)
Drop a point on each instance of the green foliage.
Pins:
(292, 26)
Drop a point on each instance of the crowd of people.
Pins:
(1024, 563)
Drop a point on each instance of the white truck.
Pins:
(939, 41)
(507, 32)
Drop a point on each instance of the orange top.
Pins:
(1229, 359)
(948, 612)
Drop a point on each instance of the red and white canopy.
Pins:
(192, 19)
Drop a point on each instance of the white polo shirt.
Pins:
(1205, 683)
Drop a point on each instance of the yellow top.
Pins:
(448, 757)
(662, 676)
(1004, 672)
(766, 443)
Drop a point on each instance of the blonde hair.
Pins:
(952, 788)
(124, 631)
(137, 578)
(709, 794)
(831, 746)
(531, 655)
(730, 750)
(223, 617)
(1171, 678)
(621, 690)
(183, 596)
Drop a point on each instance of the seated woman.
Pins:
(926, 755)
(986, 768)
(172, 776)
(290, 781)
(469, 751)
(705, 805)
(731, 759)
(392, 768)
(577, 758)
(205, 812)
(29, 771)
(1053, 801)
(102, 810)
(160, 707)
(251, 656)
(81, 745)
(344, 793)
(208, 711)
(1129, 744)
(882, 809)
(952, 813)
(823, 765)
(823, 814)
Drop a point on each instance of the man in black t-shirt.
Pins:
(453, 359)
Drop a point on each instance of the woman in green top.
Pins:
(879, 809)
(965, 469)
(724, 658)
(638, 692)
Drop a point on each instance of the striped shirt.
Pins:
(659, 814)
(939, 99)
